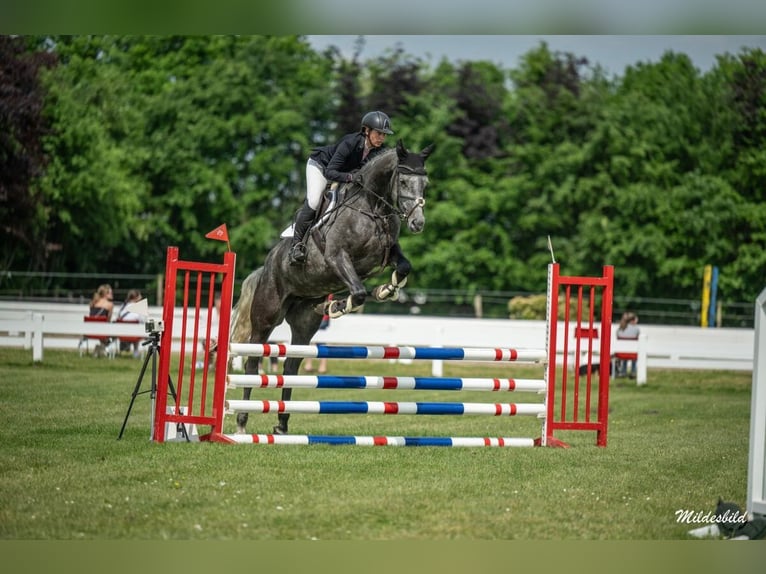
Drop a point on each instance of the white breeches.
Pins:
(315, 184)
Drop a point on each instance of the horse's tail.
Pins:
(241, 327)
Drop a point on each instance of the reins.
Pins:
(394, 205)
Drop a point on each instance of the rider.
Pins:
(335, 163)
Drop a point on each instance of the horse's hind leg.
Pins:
(251, 368)
(283, 418)
(304, 323)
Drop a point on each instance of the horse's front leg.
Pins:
(402, 269)
(344, 269)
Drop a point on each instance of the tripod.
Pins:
(151, 354)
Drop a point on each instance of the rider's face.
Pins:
(376, 138)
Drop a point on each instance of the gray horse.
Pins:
(357, 239)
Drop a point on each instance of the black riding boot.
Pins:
(303, 221)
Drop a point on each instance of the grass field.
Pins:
(678, 443)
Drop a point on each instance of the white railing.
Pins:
(61, 326)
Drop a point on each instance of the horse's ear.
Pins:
(401, 151)
(427, 151)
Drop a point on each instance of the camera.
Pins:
(154, 326)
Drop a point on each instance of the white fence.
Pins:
(45, 325)
(38, 326)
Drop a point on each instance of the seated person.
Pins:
(102, 302)
(628, 329)
(102, 305)
(125, 314)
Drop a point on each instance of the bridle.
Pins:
(417, 201)
(395, 207)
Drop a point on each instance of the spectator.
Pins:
(102, 302)
(132, 344)
(125, 314)
(628, 329)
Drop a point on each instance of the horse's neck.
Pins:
(381, 193)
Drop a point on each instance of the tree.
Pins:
(22, 157)
(347, 89)
(554, 108)
(393, 79)
(91, 190)
(663, 200)
(227, 131)
(481, 122)
(134, 143)
(157, 140)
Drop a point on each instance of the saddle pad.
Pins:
(288, 232)
(325, 208)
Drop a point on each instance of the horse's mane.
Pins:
(368, 172)
(380, 158)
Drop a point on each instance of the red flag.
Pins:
(219, 233)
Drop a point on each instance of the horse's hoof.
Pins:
(279, 429)
(337, 309)
(383, 292)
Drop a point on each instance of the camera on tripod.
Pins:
(154, 326)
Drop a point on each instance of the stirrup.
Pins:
(298, 253)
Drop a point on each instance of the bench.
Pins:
(105, 342)
(620, 349)
(632, 350)
(134, 342)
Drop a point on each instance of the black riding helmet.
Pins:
(377, 121)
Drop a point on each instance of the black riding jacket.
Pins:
(345, 156)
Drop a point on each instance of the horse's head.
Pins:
(413, 181)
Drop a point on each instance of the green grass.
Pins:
(678, 443)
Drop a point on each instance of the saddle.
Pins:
(331, 198)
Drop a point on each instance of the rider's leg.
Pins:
(302, 223)
(315, 186)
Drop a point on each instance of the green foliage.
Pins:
(22, 158)
(531, 307)
(156, 140)
(535, 307)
